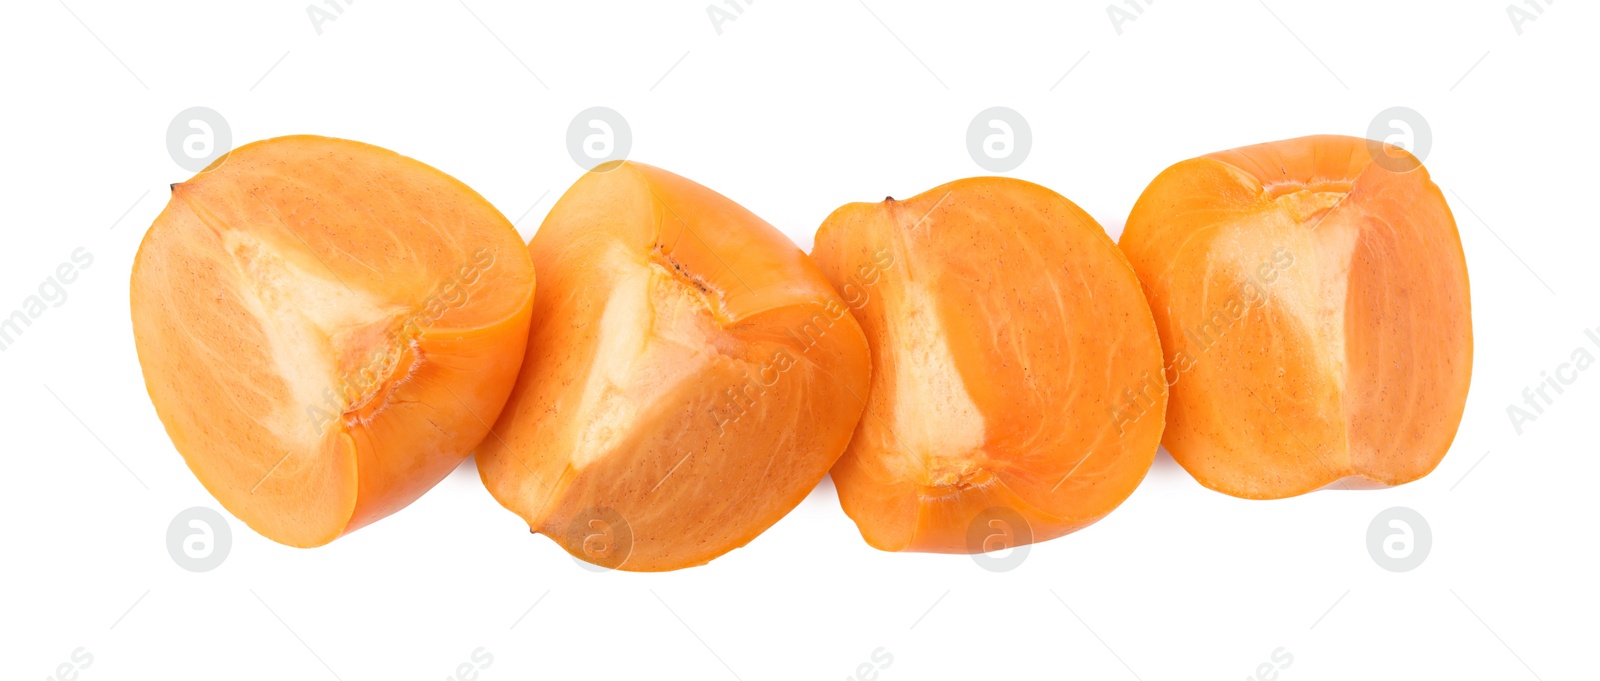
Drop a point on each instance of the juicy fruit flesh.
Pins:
(1347, 364)
(326, 329)
(686, 387)
(1007, 334)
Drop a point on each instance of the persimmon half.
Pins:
(1313, 306)
(1016, 373)
(690, 376)
(326, 329)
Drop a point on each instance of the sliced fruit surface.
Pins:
(1313, 305)
(690, 376)
(326, 329)
(1016, 372)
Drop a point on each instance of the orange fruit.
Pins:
(1313, 306)
(1007, 334)
(326, 329)
(690, 376)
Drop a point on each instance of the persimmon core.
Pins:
(657, 332)
(322, 335)
(939, 426)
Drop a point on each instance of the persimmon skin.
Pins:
(326, 329)
(688, 379)
(1016, 368)
(1347, 360)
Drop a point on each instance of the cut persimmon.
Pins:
(1312, 300)
(326, 329)
(691, 379)
(1016, 372)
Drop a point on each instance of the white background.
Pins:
(794, 109)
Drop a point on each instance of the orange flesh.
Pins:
(326, 329)
(692, 377)
(1015, 364)
(1314, 311)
